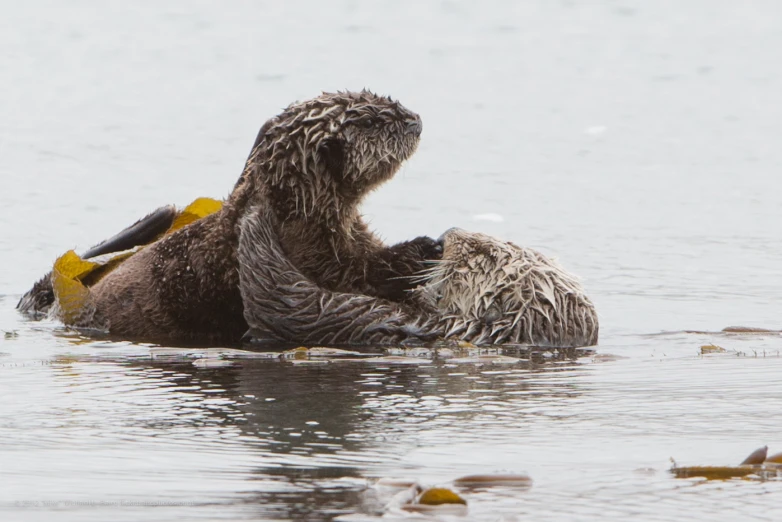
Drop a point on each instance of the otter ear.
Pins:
(332, 150)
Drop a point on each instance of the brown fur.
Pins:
(488, 291)
(483, 290)
(310, 168)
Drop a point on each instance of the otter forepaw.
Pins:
(428, 249)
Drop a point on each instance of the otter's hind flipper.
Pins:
(281, 303)
(39, 299)
(143, 231)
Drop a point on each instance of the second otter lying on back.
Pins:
(309, 169)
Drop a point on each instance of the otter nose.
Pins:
(414, 126)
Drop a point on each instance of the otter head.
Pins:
(325, 154)
(488, 291)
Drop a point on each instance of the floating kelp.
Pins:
(712, 348)
(411, 497)
(436, 501)
(73, 301)
(487, 481)
(713, 472)
(776, 458)
(728, 332)
(438, 496)
(756, 466)
(748, 329)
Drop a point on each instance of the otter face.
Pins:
(334, 149)
(493, 292)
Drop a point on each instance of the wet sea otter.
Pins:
(483, 290)
(309, 170)
(488, 291)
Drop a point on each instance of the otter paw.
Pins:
(427, 248)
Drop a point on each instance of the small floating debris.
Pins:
(211, 362)
(485, 481)
(303, 352)
(712, 348)
(607, 357)
(13, 334)
(486, 359)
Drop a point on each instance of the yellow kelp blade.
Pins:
(196, 210)
(106, 263)
(72, 297)
(72, 266)
(765, 472)
(713, 472)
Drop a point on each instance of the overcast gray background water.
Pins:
(639, 142)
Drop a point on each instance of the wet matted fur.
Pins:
(488, 291)
(309, 170)
(483, 290)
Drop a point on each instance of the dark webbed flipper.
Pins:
(40, 297)
(394, 269)
(143, 231)
(280, 303)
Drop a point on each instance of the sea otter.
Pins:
(488, 291)
(309, 170)
(483, 290)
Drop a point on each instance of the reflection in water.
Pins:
(312, 434)
(276, 438)
(317, 426)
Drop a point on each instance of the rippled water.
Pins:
(637, 142)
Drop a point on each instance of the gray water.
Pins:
(638, 142)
